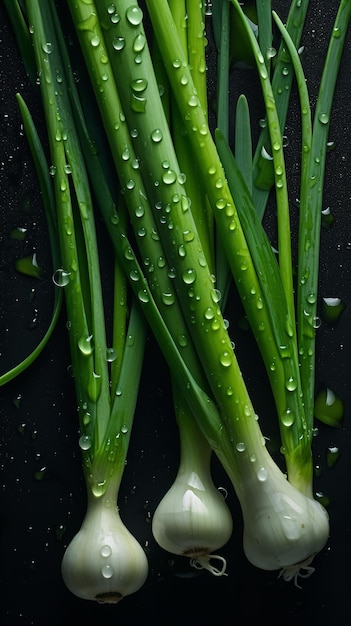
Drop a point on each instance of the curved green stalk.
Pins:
(311, 204)
(48, 204)
(281, 190)
(282, 80)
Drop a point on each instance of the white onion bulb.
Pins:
(104, 562)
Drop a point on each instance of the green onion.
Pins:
(311, 204)
(235, 437)
(49, 208)
(172, 178)
(104, 561)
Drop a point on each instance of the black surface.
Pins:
(38, 421)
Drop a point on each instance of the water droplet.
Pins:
(311, 298)
(111, 355)
(47, 47)
(220, 203)
(125, 154)
(138, 103)
(169, 177)
(225, 359)
(323, 118)
(263, 71)
(86, 418)
(85, 442)
(106, 551)
(139, 211)
(143, 296)
(139, 85)
(168, 298)
(156, 135)
(95, 41)
(291, 384)
(134, 15)
(209, 313)
(241, 447)
(118, 43)
(139, 43)
(98, 488)
(189, 276)
(61, 278)
(185, 203)
(183, 340)
(124, 429)
(316, 322)
(85, 345)
(288, 418)
(262, 474)
(107, 571)
(193, 101)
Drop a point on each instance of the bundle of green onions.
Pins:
(184, 200)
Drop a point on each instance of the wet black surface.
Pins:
(42, 496)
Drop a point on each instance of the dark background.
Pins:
(42, 499)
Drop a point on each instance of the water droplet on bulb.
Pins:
(107, 571)
(262, 474)
(106, 551)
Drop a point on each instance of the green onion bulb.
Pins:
(193, 519)
(104, 562)
(283, 528)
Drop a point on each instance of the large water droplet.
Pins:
(262, 474)
(106, 551)
(61, 278)
(107, 571)
(189, 276)
(323, 118)
(85, 345)
(134, 15)
(225, 358)
(156, 135)
(85, 442)
(288, 418)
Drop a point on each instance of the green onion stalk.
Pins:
(103, 562)
(197, 537)
(283, 527)
(23, 40)
(274, 327)
(192, 518)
